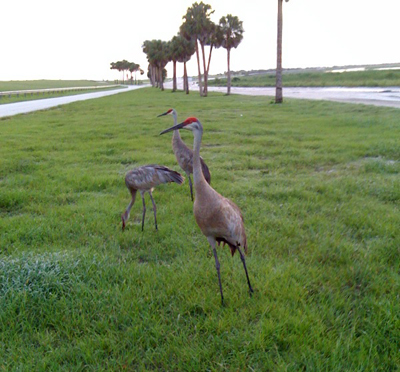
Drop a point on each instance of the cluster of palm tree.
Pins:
(195, 34)
(198, 29)
(124, 66)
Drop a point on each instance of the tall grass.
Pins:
(318, 184)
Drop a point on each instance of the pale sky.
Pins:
(60, 39)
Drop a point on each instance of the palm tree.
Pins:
(133, 68)
(278, 86)
(214, 41)
(120, 66)
(185, 51)
(198, 27)
(175, 45)
(158, 55)
(113, 66)
(149, 50)
(163, 56)
(232, 35)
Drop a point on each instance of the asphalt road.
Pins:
(24, 107)
(386, 96)
(378, 96)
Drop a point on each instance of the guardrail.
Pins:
(52, 90)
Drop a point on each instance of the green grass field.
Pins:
(83, 86)
(318, 184)
(369, 78)
(48, 84)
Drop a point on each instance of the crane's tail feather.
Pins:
(168, 175)
(232, 247)
(176, 177)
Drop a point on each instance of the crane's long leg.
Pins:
(154, 209)
(217, 266)
(144, 210)
(191, 186)
(245, 269)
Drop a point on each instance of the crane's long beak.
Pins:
(165, 113)
(175, 127)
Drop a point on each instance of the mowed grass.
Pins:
(19, 89)
(48, 84)
(51, 94)
(368, 78)
(318, 184)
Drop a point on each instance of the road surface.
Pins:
(378, 96)
(24, 107)
(389, 97)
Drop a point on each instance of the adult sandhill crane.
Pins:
(184, 155)
(145, 179)
(219, 219)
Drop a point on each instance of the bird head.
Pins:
(191, 123)
(169, 112)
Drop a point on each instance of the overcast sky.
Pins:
(48, 39)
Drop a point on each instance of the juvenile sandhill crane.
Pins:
(145, 179)
(219, 219)
(184, 155)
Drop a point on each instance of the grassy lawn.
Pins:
(83, 86)
(51, 94)
(318, 184)
(373, 78)
(48, 84)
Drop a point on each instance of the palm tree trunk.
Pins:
(184, 76)
(198, 67)
(153, 76)
(161, 78)
(204, 69)
(209, 60)
(152, 79)
(278, 87)
(185, 79)
(174, 88)
(229, 72)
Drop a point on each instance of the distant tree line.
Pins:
(124, 66)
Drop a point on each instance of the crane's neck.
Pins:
(176, 136)
(198, 176)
